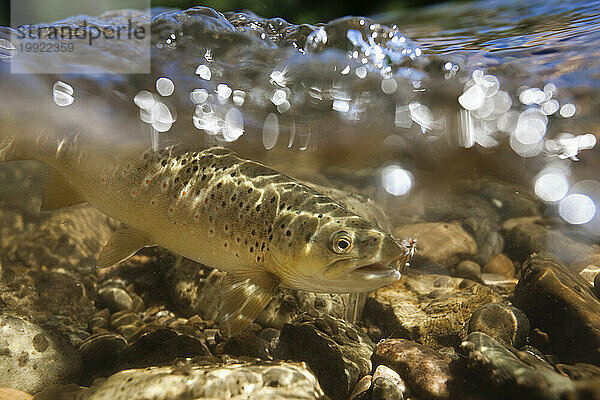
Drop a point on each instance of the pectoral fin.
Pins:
(123, 243)
(245, 294)
(58, 193)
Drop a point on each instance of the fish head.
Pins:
(339, 255)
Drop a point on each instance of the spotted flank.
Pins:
(263, 228)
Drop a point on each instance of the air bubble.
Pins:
(62, 94)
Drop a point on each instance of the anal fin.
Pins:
(244, 295)
(123, 243)
(58, 193)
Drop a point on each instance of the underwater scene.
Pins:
(210, 204)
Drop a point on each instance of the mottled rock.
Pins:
(561, 303)
(429, 374)
(499, 264)
(468, 269)
(226, 380)
(427, 308)
(494, 362)
(338, 353)
(502, 322)
(69, 239)
(387, 384)
(524, 239)
(31, 359)
(440, 244)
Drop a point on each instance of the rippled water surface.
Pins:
(400, 104)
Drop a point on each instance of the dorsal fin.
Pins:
(58, 193)
(123, 243)
(244, 295)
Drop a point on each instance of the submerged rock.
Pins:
(468, 269)
(502, 322)
(440, 245)
(31, 359)
(494, 362)
(499, 264)
(429, 309)
(338, 353)
(429, 374)
(525, 239)
(562, 304)
(387, 384)
(231, 379)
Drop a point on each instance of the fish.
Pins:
(263, 228)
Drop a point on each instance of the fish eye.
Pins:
(342, 242)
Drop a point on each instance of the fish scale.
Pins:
(265, 229)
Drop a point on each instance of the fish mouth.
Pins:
(378, 271)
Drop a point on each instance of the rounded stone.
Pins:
(116, 299)
(469, 270)
(501, 321)
(30, 359)
(387, 384)
(500, 264)
(101, 350)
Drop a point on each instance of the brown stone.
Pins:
(427, 308)
(429, 374)
(562, 304)
(500, 264)
(439, 244)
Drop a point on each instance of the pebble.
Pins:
(30, 359)
(469, 270)
(500, 264)
(502, 322)
(223, 380)
(387, 384)
(101, 350)
(116, 299)
(427, 308)
(440, 245)
(562, 304)
(498, 366)
(338, 353)
(429, 374)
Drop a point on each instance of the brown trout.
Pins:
(263, 228)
